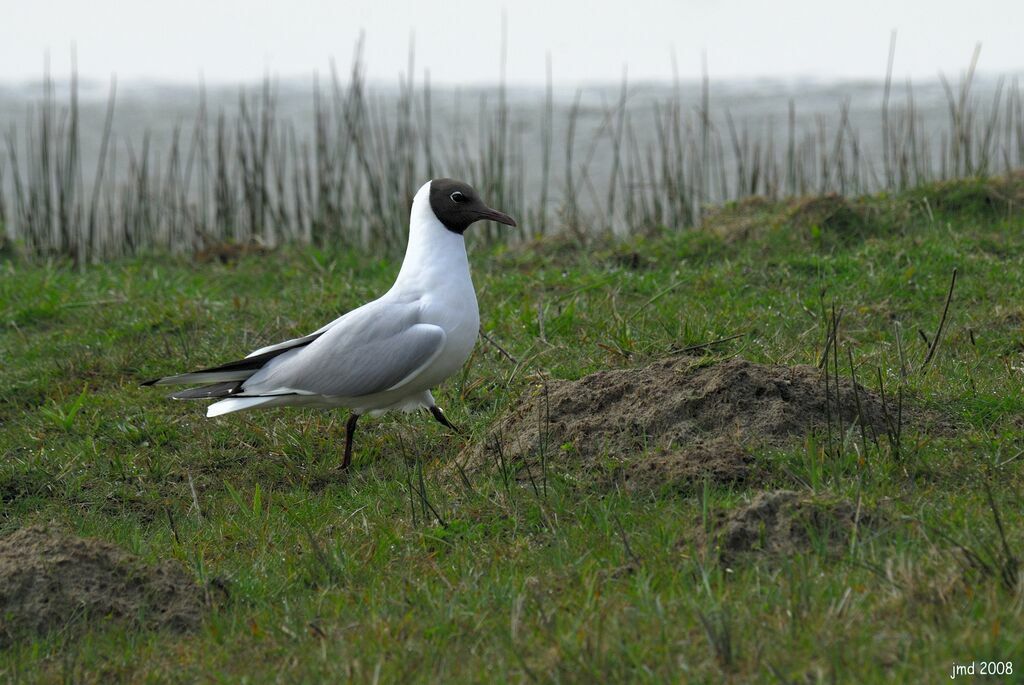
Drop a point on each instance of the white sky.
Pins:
(459, 40)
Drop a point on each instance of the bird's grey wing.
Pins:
(286, 344)
(233, 373)
(374, 350)
(297, 342)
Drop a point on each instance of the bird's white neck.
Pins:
(435, 256)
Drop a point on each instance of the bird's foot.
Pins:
(439, 416)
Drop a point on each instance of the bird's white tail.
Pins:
(233, 404)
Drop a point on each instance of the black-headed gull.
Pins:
(388, 353)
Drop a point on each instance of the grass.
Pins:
(407, 573)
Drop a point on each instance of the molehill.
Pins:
(677, 420)
(780, 523)
(51, 581)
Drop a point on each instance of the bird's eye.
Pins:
(458, 197)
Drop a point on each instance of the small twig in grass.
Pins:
(529, 475)
(828, 398)
(856, 400)
(195, 497)
(499, 452)
(832, 320)
(409, 485)
(626, 354)
(928, 209)
(174, 528)
(408, 479)
(720, 638)
(543, 422)
(94, 303)
(833, 331)
(835, 364)
(544, 443)
(525, 364)
(796, 477)
(634, 559)
(856, 522)
(1004, 462)
(890, 425)
(426, 500)
(778, 674)
(316, 630)
(942, 323)
(899, 415)
(898, 329)
(504, 353)
(654, 298)
(703, 346)
(421, 489)
(1010, 563)
(464, 477)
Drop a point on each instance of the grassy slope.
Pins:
(350, 579)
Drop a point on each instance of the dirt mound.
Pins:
(996, 196)
(831, 213)
(687, 419)
(821, 216)
(742, 220)
(780, 523)
(229, 252)
(719, 460)
(49, 581)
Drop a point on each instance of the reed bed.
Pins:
(250, 177)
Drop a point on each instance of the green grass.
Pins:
(331, 580)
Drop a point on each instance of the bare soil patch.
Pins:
(780, 523)
(743, 220)
(833, 216)
(675, 421)
(50, 581)
(831, 212)
(754, 217)
(997, 196)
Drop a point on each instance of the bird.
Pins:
(384, 356)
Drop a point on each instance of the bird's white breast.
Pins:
(435, 275)
(460, 318)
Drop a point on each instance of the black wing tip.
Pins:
(253, 363)
(208, 392)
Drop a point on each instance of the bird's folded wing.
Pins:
(372, 351)
(296, 342)
(285, 344)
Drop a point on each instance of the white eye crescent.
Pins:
(458, 197)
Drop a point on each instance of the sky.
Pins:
(459, 41)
